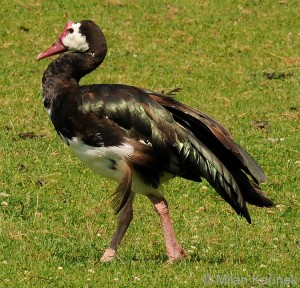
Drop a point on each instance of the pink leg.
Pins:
(123, 223)
(174, 251)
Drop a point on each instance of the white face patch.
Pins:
(75, 41)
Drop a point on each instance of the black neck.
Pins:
(67, 70)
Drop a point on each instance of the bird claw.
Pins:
(177, 256)
(108, 255)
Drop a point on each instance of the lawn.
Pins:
(237, 61)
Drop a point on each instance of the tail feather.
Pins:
(254, 169)
(232, 185)
(217, 174)
(252, 193)
(122, 193)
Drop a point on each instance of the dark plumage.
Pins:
(141, 138)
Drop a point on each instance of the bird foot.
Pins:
(108, 255)
(177, 255)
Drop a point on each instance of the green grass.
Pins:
(55, 215)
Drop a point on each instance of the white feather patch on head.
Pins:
(75, 41)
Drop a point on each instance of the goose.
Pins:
(140, 138)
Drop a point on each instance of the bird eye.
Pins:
(71, 30)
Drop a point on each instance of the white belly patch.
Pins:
(109, 162)
(106, 161)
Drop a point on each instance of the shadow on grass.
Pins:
(159, 259)
(162, 259)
